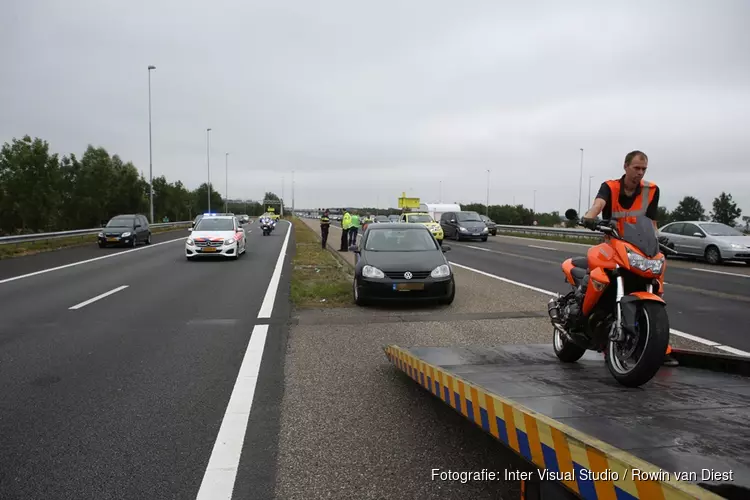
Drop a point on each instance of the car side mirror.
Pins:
(137, 226)
(445, 248)
(699, 235)
(453, 221)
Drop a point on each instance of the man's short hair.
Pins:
(633, 155)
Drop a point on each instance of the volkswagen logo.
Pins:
(407, 275)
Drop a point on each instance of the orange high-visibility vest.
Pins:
(621, 214)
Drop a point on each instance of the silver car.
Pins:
(711, 240)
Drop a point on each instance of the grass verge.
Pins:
(11, 250)
(562, 239)
(319, 279)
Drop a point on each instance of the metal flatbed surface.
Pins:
(576, 417)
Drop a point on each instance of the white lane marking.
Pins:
(732, 350)
(108, 256)
(543, 248)
(221, 472)
(678, 333)
(720, 272)
(266, 308)
(99, 297)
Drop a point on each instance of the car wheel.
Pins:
(102, 245)
(148, 240)
(446, 301)
(712, 255)
(357, 297)
(484, 239)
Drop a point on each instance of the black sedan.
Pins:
(399, 261)
(125, 230)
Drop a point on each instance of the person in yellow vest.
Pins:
(630, 195)
(346, 223)
(354, 229)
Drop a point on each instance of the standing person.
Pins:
(625, 197)
(354, 229)
(346, 223)
(325, 224)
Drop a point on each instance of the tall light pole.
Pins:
(488, 194)
(534, 209)
(283, 181)
(590, 177)
(208, 165)
(292, 193)
(150, 157)
(580, 185)
(441, 192)
(226, 189)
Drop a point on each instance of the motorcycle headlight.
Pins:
(442, 271)
(644, 264)
(189, 241)
(126, 234)
(372, 272)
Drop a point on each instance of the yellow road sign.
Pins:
(405, 202)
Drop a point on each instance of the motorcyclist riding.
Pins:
(628, 196)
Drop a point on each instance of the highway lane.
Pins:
(714, 316)
(124, 397)
(32, 263)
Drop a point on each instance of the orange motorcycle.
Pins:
(616, 304)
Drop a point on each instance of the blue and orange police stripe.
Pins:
(547, 443)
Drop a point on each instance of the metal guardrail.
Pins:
(23, 238)
(550, 231)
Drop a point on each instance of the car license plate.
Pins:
(111, 239)
(209, 249)
(405, 287)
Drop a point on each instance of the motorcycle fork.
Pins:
(616, 333)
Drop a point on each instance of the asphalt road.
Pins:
(124, 397)
(706, 304)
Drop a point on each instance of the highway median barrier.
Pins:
(320, 278)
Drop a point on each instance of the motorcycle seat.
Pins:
(578, 274)
(581, 262)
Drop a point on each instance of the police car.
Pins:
(216, 236)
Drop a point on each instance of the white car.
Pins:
(216, 236)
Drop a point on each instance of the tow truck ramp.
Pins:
(684, 435)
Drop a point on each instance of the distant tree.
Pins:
(689, 208)
(663, 216)
(725, 210)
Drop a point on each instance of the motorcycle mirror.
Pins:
(571, 214)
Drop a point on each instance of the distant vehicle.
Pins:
(401, 262)
(128, 229)
(426, 220)
(244, 218)
(491, 226)
(394, 218)
(377, 219)
(712, 241)
(216, 236)
(464, 225)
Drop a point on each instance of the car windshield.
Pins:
(642, 234)
(211, 224)
(400, 240)
(468, 217)
(718, 229)
(121, 222)
(419, 218)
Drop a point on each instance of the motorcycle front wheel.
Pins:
(636, 360)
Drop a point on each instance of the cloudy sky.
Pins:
(364, 100)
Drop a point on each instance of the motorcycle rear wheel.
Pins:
(566, 351)
(650, 347)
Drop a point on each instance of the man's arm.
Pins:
(652, 212)
(601, 201)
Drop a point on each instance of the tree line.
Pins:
(41, 191)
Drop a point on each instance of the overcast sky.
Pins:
(364, 100)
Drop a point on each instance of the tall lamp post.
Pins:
(208, 165)
(226, 189)
(590, 177)
(488, 194)
(150, 157)
(580, 185)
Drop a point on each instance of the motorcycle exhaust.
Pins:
(553, 310)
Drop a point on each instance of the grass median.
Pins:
(319, 279)
(10, 250)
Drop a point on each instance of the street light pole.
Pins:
(590, 177)
(150, 157)
(488, 194)
(534, 209)
(292, 193)
(226, 189)
(580, 184)
(208, 165)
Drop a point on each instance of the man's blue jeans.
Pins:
(353, 235)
